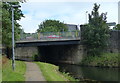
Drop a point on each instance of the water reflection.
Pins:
(93, 73)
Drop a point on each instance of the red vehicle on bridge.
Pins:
(54, 36)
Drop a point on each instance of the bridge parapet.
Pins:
(51, 36)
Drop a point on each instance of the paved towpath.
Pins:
(33, 72)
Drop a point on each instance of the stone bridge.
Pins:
(61, 49)
(65, 48)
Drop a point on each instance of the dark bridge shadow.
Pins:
(60, 53)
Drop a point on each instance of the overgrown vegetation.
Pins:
(117, 27)
(7, 22)
(36, 57)
(52, 26)
(105, 60)
(0, 67)
(51, 73)
(95, 34)
(8, 74)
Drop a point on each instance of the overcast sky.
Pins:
(72, 12)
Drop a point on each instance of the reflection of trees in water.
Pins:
(93, 73)
(102, 74)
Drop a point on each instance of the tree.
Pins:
(96, 32)
(52, 26)
(7, 23)
(117, 27)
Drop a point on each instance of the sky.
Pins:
(69, 12)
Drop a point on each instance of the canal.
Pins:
(91, 73)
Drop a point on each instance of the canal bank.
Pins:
(110, 60)
(95, 68)
(52, 74)
(91, 73)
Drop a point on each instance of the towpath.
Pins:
(33, 72)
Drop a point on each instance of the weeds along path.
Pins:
(33, 72)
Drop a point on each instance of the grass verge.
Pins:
(51, 73)
(105, 60)
(8, 74)
(0, 68)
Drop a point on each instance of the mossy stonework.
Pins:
(114, 42)
(26, 53)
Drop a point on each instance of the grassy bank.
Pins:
(0, 68)
(105, 60)
(51, 73)
(8, 74)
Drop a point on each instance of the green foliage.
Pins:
(0, 22)
(69, 77)
(7, 23)
(117, 27)
(9, 75)
(52, 26)
(96, 33)
(35, 57)
(105, 60)
(25, 35)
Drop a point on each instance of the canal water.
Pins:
(91, 73)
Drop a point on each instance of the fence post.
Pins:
(38, 35)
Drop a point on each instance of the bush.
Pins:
(105, 60)
(95, 34)
(36, 57)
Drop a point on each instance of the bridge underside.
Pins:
(46, 43)
(71, 54)
(63, 51)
